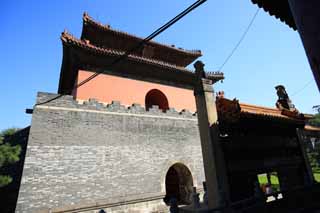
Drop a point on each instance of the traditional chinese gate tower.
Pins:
(127, 139)
(126, 82)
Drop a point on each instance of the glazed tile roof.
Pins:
(88, 19)
(312, 128)
(69, 39)
(232, 110)
(278, 8)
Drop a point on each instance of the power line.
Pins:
(240, 40)
(150, 37)
(302, 88)
(127, 53)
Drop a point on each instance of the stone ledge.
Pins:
(102, 204)
(114, 106)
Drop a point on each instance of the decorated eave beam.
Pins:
(278, 8)
(80, 54)
(104, 36)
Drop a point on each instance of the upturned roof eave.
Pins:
(89, 21)
(232, 110)
(69, 39)
(312, 128)
(280, 9)
(168, 72)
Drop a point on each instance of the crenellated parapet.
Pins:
(86, 155)
(67, 101)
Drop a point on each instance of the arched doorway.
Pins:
(156, 97)
(179, 184)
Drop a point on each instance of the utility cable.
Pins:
(150, 37)
(140, 44)
(240, 40)
(302, 88)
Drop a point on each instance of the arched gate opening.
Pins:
(179, 184)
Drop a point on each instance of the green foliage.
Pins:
(8, 154)
(314, 160)
(317, 177)
(7, 133)
(5, 180)
(317, 108)
(315, 121)
(314, 163)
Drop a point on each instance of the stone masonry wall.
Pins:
(90, 155)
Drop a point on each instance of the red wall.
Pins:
(107, 88)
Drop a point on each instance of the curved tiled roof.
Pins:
(69, 39)
(89, 20)
(233, 110)
(312, 128)
(261, 110)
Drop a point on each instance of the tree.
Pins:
(314, 161)
(317, 108)
(316, 120)
(8, 154)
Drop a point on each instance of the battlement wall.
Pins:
(115, 106)
(89, 155)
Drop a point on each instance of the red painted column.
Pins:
(306, 14)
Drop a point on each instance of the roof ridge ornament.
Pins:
(201, 73)
(199, 66)
(220, 94)
(284, 102)
(65, 36)
(86, 16)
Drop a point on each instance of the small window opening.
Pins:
(156, 98)
(269, 183)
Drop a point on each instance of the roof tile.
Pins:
(68, 39)
(88, 19)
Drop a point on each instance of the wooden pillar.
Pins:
(309, 174)
(214, 165)
(307, 18)
(269, 178)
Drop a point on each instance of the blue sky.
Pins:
(271, 53)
